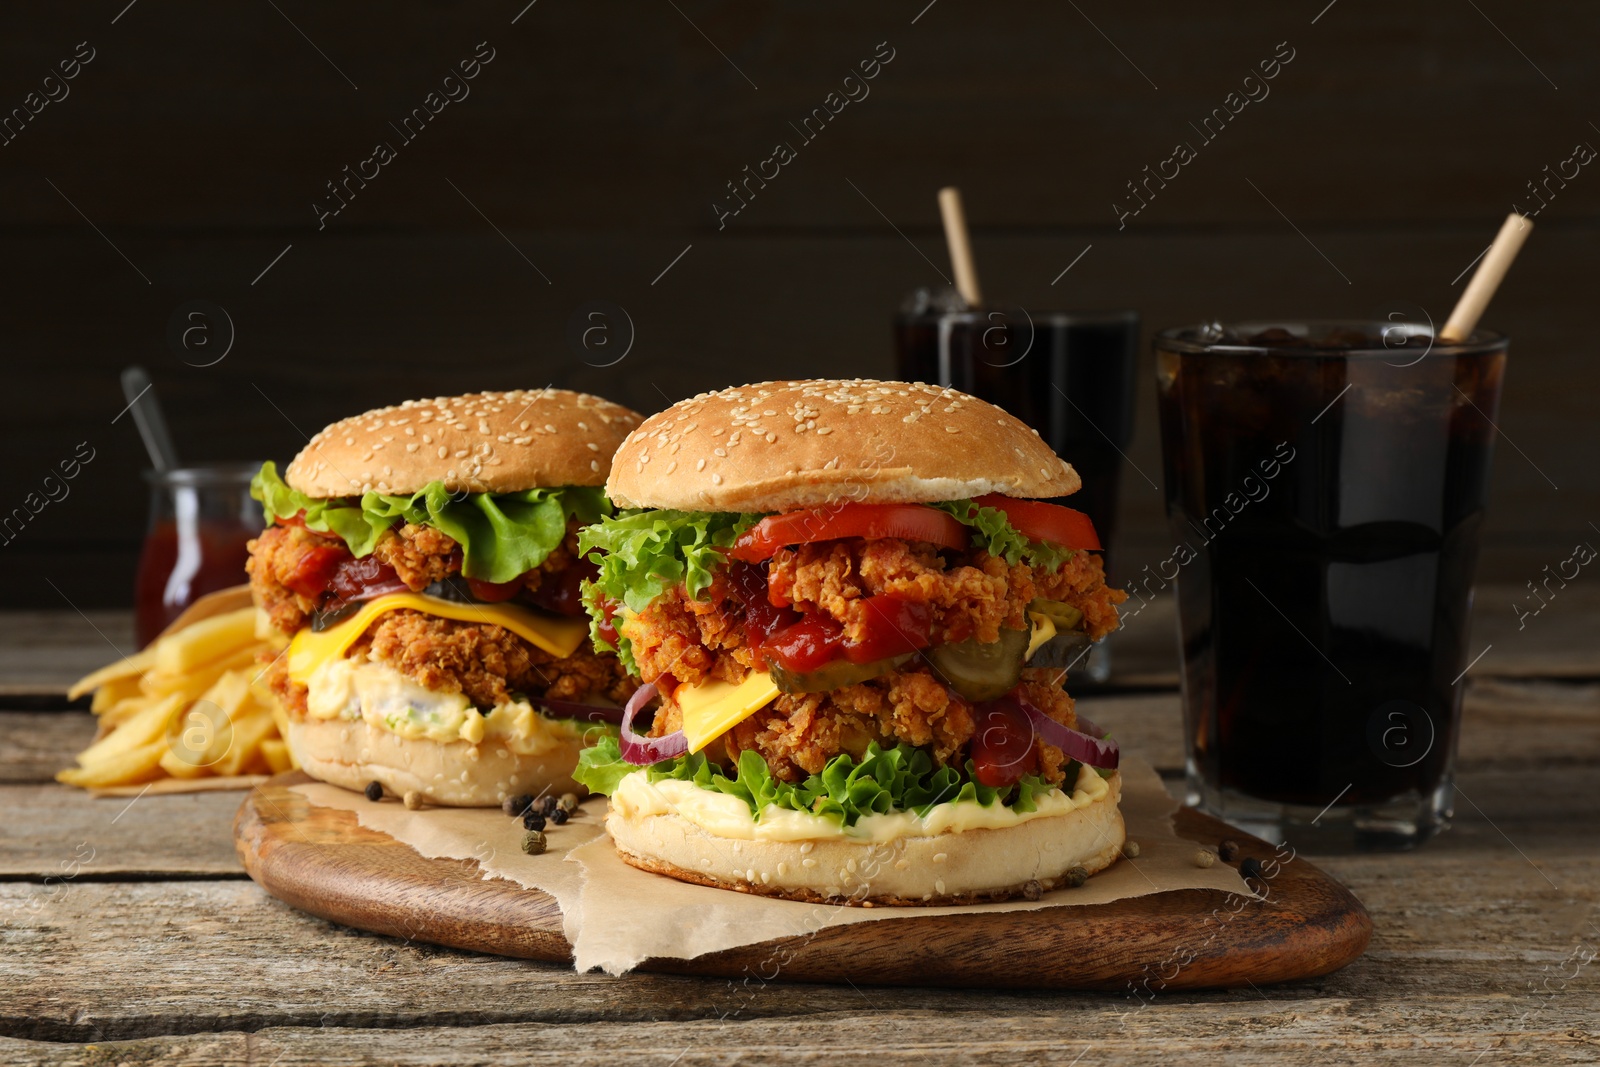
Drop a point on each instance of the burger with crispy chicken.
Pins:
(421, 563)
(838, 596)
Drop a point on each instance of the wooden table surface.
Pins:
(131, 935)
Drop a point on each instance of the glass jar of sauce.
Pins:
(201, 520)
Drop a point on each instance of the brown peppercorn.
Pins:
(1228, 851)
(568, 802)
(533, 842)
(1033, 890)
(1075, 877)
(413, 799)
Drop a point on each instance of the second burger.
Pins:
(421, 560)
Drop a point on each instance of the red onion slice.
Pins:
(336, 611)
(642, 751)
(1089, 745)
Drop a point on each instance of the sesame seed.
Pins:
(700, 464)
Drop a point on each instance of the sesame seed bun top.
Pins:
(478, 443)
(777, 446)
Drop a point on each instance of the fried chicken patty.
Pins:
(971, 594)
(679, 639)
(486, 662)
(798, 733)
(420, 556)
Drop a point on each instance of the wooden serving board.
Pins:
(321, 860)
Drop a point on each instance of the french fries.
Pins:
(190, 712)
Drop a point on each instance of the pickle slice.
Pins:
(1065, 616)
(981, 671)
(831, 676)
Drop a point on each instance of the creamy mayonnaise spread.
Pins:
(727, 816)
(352, 690)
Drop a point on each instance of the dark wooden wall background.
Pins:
(600, 135)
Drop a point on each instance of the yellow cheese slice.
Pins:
(557, 636)
(1043, 630)
(710, 709)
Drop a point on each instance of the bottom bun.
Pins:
(963, 867)
(455, 773)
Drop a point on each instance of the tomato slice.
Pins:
(1039, 521)
(910, 522)
(607, 629)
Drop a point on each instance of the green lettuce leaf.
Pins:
(601, 766)
(993, 532)
(645, 553)
(501, 535)
(884, 780)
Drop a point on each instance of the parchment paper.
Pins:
(647, 915)
(486, 835)
(653, 916)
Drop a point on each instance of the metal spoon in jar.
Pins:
(139, 391)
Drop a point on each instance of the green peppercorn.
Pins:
(533, 842)
(1130, 849)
